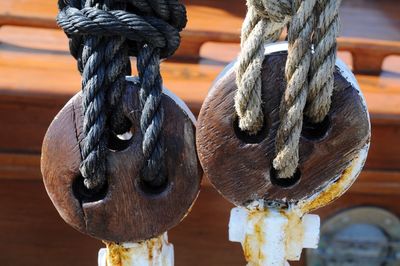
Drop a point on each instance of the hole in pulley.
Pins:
(158, 185)
(247, 137)
(119, 142)
(284, 182)
(85, 195)
(151, 188)
(316, 131)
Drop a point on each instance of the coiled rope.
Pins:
(309, 69)
(103, 34)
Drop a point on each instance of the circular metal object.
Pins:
(359, 236)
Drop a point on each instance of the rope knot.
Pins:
(278, 11)
(137, 24)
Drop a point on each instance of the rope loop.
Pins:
(278, 11)
(102, 35)
(309, 75)
(135, 28)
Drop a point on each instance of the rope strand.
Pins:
(295, 96)
(310, 79)
(257, 30)
(152, 117)
(323, 60)
(102, 37)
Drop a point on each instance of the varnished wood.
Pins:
(211, 21)
(239, 165)
(128, 210)
(368, 55)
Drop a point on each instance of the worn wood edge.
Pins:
(343, 182)
(178, 101)
(338, 186)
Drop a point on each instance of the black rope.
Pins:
(102, 37)
(152, 118)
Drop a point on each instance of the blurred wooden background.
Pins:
(38, 76)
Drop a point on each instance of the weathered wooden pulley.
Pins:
(126, 209)
(119, 161)
(239, 165)
(271, 219)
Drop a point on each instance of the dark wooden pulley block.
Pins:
(126, 209)
(239, 165)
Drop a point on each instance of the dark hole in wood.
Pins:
(119, 142)
(316, 131)
(151, 189)
(246, 137)
(85, 195)
(284, 182)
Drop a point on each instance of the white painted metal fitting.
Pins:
(272, 237)
(152, 252)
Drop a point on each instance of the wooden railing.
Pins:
(368, 54)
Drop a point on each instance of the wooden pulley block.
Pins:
(239, 165)
(126, 209)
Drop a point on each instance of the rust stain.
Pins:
(154, 244)
(117, 255)
(254, 240)
(124, 255)
(294, 231)
(150, 246)
(334, 191)
(294, 228)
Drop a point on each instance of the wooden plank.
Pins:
(56, 73)
(20, 166)
(220, 22)
(368, 55)
(361, 18)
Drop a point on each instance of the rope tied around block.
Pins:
(313, 27)
(102, 35)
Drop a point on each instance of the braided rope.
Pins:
(294, 99)
(152, 118)
(101, 40)
(309, 76)
(151, 30)
(323, 60)
(94, 149)
(148, 65)
(257, 30)
(118, 66)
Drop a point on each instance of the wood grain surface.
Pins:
(239, 165)
(127, 209)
